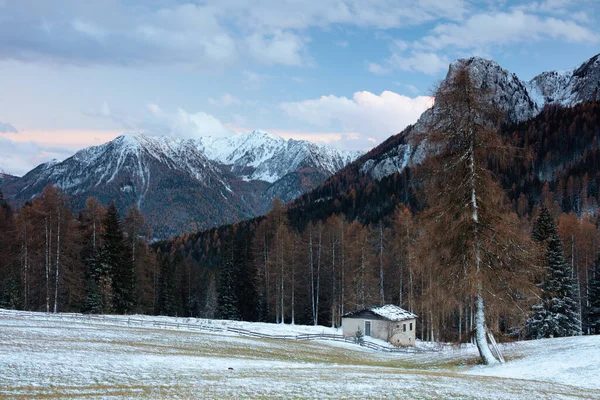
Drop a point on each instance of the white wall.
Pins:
(382, 329)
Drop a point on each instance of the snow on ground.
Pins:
(46, 356)
(571, 361)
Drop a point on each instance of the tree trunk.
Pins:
(48, 257)
(480, 329)
(480, 333)
(312, 274)
(381, 282)
(318, 278)
(57, 261)
(293, 300)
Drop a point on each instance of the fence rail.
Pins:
(129, 321)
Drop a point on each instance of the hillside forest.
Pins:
(351, 243)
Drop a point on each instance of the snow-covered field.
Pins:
(43, 356)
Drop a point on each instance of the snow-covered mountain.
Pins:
(184, 185)
(262, 156)
(520, 100)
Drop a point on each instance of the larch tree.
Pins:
(475, 246)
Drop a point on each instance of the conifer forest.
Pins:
(480, 225)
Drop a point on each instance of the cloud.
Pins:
(480, 32)
(225, 100)
(5, 127)
(503, 28)
(363, 117)
(18, 158)
(252, 80)
(417, 61)
(412, 88)
(182, 124)
(280, 47)
(119, 119)
(200, 34)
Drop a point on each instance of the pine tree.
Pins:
(10, 282)
(557, 315)
(117, 257)
(593, 311)
(247, 305)
(94, 303)
(166, 303)
(227, 296)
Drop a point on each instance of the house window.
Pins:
(367, 328)
(403, 327)
(411, 326)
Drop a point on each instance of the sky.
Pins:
(347, 73)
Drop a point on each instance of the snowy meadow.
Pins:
(44, 356)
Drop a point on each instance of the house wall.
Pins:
(382, 329)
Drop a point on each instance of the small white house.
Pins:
(390, 323)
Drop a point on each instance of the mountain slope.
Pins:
(520, 100)
(186, 185)
(262, 156)
(563, 135)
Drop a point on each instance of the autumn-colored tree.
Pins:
(475, 246)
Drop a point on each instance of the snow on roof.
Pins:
(389, 312)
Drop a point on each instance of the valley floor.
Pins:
(51, 357)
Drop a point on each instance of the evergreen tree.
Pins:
(227, 296)
(166, 303)
(95, 274)
(247, 297)
(117, 257)
(593, 310)
(10, 282)
(557, 315)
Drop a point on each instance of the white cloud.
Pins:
(18, 158)
(225, 100)
(252, 80)
(280, 47)
(480, 32)
(182, 124)
(89, 29)
(366, 115)
(5, 127)
(504, 28)
(206, 34)
(417, 61)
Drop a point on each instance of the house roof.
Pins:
(388, 311)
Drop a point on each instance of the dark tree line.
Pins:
(95, 262)
(351, 243)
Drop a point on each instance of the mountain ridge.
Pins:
(205, 183)
(520, 100)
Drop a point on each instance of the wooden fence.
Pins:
(205, 327)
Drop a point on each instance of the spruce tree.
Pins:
(557, 314)
(166, 303)
(593, 311)
(117, 257)
(227, 296)
(244, 274)
(94, 303)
